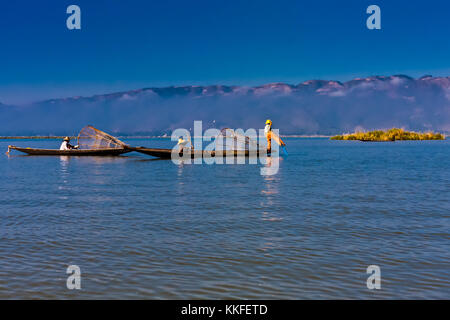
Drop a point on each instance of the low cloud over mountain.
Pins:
(311, 107)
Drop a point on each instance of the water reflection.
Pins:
(64, 160)
(180, 167)
(102, 160)
(270, 192)
(64, 174)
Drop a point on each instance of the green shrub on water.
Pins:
(393, 134)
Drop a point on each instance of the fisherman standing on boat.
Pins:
(181, 144)
(65, 145)
(270, 134)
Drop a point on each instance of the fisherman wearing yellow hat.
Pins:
(271, 135)
(65, 145)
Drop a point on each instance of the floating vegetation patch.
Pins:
(394, 134)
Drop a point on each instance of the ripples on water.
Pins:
(141, 228)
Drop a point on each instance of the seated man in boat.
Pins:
(270, 134)
(65, 145)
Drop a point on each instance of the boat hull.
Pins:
(167, 153)
(73, 152)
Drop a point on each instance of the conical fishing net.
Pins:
(91, 138)
(229, 139)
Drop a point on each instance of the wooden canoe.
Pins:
(73, 152)
(167, 153)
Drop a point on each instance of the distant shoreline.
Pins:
(33, 137)
(133, 137)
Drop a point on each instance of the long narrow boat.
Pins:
(73, 152)
(167, 153)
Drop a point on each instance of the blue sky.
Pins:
(131, 44)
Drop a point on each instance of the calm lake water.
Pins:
(143, 228)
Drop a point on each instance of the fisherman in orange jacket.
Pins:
(270, 134)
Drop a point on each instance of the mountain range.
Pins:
(312, 107)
